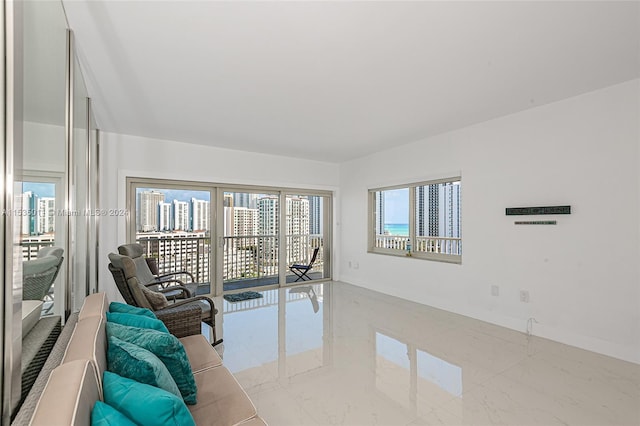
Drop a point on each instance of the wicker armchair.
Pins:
(148, 275)
(39, 274)
(182, 318)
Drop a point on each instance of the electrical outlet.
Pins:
(524, 296)
(356, 265)
(495, 290)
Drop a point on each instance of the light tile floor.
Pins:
(336, 354)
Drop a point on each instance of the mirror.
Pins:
(79, 193)
(43, 172)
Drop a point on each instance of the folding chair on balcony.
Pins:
(301, 270)
(147, 272)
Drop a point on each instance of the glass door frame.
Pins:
(216, 211)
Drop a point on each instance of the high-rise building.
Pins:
(449, 210)
(315, 215)
(199, 214)
(297, 212)
(29, 224)
(245, 199)
(268, 215)
(148, 210)
(438, 210)
(165, 217)
(228, 199)
(47, 215)
(245, 221)
(379, 213)
(180, 215)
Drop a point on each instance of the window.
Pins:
(420, 220)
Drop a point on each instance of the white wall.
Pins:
(123, 155)
(582, 274)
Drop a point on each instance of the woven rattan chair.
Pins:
(182, 318)
(39, 274)
(147, 272)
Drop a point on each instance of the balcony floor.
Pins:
(256, 282)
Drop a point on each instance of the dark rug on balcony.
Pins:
(238, 297)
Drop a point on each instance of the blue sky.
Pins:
(396, 206)
(41, 189)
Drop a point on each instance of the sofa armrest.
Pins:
(182, 321)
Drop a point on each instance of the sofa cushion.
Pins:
(137, 321)
(136, 363)
(200, 353)
(144, 404)
(94, 305)
(88, 341)
(71, 391)
(123, 308)
(167, 348)
(105, 415)
(31, 311)
(221, 399)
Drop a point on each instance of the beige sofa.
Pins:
(75, 385)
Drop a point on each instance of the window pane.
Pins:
(173, 227)
(250, 240)
(304, 233)
(438, 218)
(392, 218)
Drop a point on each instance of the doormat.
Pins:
(239, 297)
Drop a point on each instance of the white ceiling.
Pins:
(333, 81)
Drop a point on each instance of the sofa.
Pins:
(75, 385)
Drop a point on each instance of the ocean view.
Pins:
(397, 228)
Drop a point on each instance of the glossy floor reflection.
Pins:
(336, 354)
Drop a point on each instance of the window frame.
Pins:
(371, 222)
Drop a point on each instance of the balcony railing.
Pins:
(442, 245)
(244, 257)
(31, 248)
(178, 253)
(256, 256)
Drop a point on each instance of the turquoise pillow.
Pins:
(134, 362)
(123, 308)
(167, 348)
(105, 415)
(137, 321)
(144, 404)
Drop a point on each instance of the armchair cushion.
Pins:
(145, 404)
(168, 349)
(123, 308)
(136, 363)
(105, 415)
(136, 321)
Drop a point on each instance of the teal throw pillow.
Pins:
(136, 321)
(134, 362)
(144, 404)
(167, 348)
(123, 308)
(105, 415)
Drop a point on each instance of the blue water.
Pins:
(397, 229)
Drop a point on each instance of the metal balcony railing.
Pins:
(244, 257)
(442, 245)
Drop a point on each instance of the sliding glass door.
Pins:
(250, 239)
(232, 238)
(305, 237)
